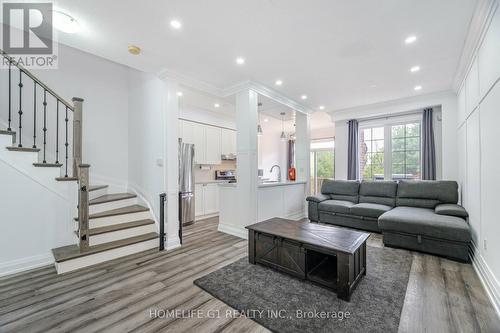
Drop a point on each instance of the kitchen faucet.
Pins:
(279, 171)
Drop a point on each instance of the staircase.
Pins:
(107, 225)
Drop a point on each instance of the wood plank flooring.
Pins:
(120, 296)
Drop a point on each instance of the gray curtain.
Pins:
(352, 151)
(290, 157)
(428, 146)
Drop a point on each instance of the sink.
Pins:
(270, 182)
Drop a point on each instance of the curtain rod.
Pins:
(403, 113)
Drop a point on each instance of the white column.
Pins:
(171, 163)
(247, 160)
(302, 146)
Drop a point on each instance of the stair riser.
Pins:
(24, 160)
(112, 220)
(74, 264)
(112, 205)
(5, 140)
(121, 234)
(98, 193)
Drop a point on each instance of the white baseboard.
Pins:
(232, 230)
(296, 216)
(204, 217)
(488, 280)
(24, 264)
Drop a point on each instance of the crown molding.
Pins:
(167, 74)
(394, 106)
(478, 27)
(267, 92)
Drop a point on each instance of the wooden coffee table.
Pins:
(329, 256)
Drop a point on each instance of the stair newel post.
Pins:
(77, 134)
(83, 206)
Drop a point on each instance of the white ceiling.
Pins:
(339, 53)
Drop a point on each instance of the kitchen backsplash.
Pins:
(202, 175)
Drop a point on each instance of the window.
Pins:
(391, 151)
(371, 153)
(405, 151)
(322, 163)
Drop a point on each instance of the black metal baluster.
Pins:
(66, 143)
(44, 124)
(20, 145)
(57, 131)
(10, 94)
(34, 114)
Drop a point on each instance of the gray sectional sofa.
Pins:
(416, 215)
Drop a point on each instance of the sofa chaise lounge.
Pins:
(416, 215)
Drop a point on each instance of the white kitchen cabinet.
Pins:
(210, 199)
(206, 140)
(206, 200)
(198, 200)
(212, 145)
(228, 142)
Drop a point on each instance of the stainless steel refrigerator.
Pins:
(186, 183)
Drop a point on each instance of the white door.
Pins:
(210, 199)
(225, 143)
(213, 145)
(188, 131)
(198, 200)
(232, 142)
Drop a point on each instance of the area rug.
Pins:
(283, 303)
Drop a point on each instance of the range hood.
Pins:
(228, 157)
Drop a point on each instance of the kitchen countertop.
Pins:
(265, 185)
(218, 181)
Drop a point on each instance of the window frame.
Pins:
(313, 152)
(387, 124)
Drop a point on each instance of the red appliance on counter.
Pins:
(291, 174)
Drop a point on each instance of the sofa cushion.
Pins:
(318, 198)
(369, 209)
(423, 221)
(335, 206)
(451, 209)
(344, 190)
(426, 193)
(378, 192)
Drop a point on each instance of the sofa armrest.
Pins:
(318, 198)
(451, 210)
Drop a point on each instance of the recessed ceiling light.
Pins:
(278, 82)
(240, 60)
(176, 24)
(65, 23)
(322, 107)
(180, 93)
(216, 105)
(303, 97)
(417, 88)
(410, 39)
(266, 120)
(415, 69)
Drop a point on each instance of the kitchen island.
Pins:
(274, 199)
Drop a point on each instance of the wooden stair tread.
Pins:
(72, 251)
(66, 179)
(119, 211)
(111, 197)
(24, 149)
(7, 132)
(97, 187)
(120, 226)
(48, 165)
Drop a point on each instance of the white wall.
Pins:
(478, 125)
(36, 217)
(192, 113)
(146, 136)
(271, 150)
(445, 131)
(104, 87)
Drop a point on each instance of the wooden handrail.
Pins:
(36, 79)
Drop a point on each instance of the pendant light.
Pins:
(283, 136)
(259, 127)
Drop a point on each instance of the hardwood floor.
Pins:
(120, 296)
